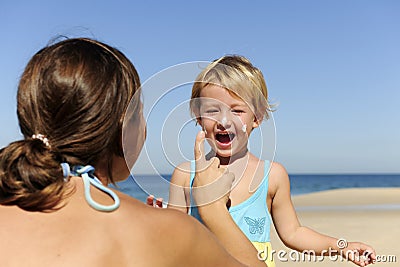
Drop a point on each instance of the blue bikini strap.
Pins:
(88, 178)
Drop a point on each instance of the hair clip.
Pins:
(42, 138)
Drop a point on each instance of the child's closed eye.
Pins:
(237, 111)
(211, 111)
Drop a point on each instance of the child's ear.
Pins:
(257, 121)
(198, 121)
(196, 113)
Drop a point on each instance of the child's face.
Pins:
(226, 119)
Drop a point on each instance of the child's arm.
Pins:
(177, 198)
(298, 237)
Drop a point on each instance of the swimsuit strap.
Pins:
(88, 177)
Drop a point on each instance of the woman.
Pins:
(76, 100)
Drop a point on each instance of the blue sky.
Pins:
(332, 66)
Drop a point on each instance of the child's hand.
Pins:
(157, 204)
(212, 183)
(359, 253)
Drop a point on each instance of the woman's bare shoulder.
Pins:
(138, 215)
(171, 233)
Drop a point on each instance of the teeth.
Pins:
(230, 134)
(225, 137)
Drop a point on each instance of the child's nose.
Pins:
(225, 121)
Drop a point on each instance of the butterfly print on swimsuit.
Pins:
(255, 225)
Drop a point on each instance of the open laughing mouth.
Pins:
(224, 139)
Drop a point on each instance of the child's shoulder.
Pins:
(181, 174)
(184, 168)
(277, 169)
(278, 177)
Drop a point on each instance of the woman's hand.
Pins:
(212, 183)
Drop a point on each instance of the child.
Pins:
(229, 100)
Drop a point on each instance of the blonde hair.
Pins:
(236, 74)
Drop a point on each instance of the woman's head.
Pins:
(240, 77)
(75, 93)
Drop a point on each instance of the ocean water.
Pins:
(142, 186)
(303, 184)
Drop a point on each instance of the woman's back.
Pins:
(78, 235)
(75, 235)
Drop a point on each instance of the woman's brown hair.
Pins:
(75, 93)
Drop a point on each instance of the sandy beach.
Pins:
(370, 215)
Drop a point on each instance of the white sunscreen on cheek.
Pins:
(244, 128)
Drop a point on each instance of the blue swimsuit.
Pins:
(251, 216)
(88, 178)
